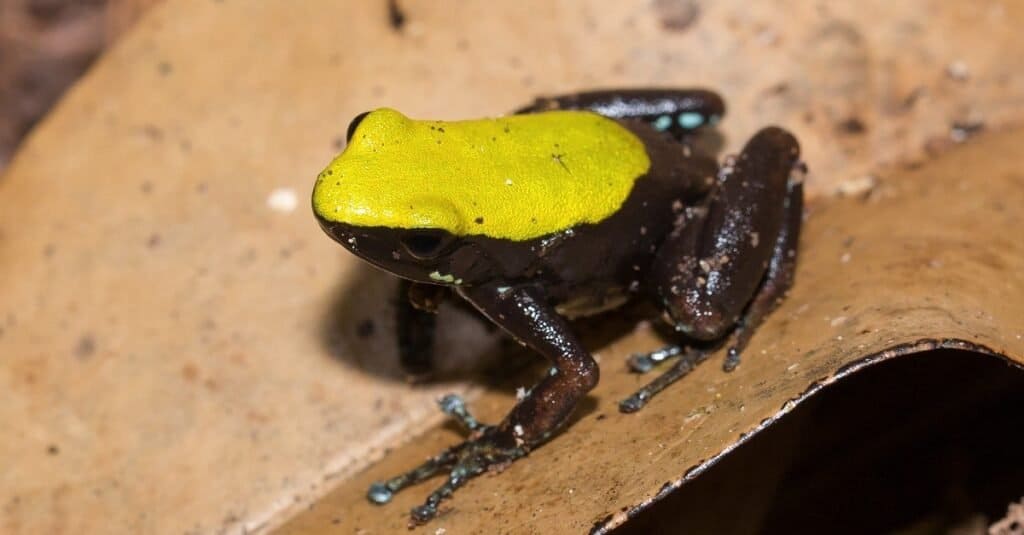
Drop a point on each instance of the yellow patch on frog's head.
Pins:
(517, 177)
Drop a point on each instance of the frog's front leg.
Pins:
(524, 312)
(726, 269)
(415, 321)
(676, 111)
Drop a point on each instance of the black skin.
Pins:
(714, 247)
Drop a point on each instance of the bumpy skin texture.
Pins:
(714, 247)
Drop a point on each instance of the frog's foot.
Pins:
(687, 362)
(487, 448)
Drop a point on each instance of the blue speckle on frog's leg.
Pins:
(662, 123)
(690, 120)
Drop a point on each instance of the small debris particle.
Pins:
(857, 186)
(957, 70)
(767, 37)
(190, 372)
(86, 346)
(837, 321)
(913, 97)
(479, 221)
(677, 15)
(153, 132)
(396, 17)
(52, 449)
(520, 393)
(845, 258)
(164, 68)
(853, 126)
(154, 241)
(283, 200)
(777, 89)
(961, 130)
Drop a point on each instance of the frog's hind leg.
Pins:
(781, 271)
(707, 272)
(776, 283)
(728, 264)
(680, 112)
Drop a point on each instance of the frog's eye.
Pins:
(425, 244)
(353, 125)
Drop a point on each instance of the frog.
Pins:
(570, 206)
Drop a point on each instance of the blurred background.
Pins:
(44, 46)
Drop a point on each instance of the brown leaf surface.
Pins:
(929, 260)
(176, 355)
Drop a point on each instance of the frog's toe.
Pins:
(635, 402)
(379, 493)
(454, 406)
(732, 359)
(687, 362)
(645, 362)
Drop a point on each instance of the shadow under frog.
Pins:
(359, 329)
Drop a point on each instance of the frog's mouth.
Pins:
(381, 247)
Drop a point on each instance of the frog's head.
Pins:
(382, 199)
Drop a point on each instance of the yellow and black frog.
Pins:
(571, 206)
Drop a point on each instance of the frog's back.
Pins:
(516, 177)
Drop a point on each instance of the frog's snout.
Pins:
(342, 233)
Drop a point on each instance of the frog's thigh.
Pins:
(707, 272)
